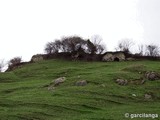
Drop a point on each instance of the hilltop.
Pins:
(25, 94)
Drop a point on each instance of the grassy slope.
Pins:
(23, 95)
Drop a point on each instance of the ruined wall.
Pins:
(36, 58)
(113, 56)
(120, 56)
(108, 57)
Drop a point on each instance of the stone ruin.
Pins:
(36, 58)
(114, 56)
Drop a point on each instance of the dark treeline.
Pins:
(77, 48)
(75, 44)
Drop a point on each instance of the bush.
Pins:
(14, 62)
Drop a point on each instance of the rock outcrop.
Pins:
(81, 83)
(121, 82)
(152, 76)
(114, 56)
(36, 58)
(56, 82)
(148, 96)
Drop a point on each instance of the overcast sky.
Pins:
(27, 25)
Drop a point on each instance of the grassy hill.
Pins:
(24, 94)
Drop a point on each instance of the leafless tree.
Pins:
(98, 45)
(125, 45)
(14, 61)
(72, 43)
(152, 50)
(141, 50)
(49, 47)
(1, 65)
(91, 48)
(53, 47)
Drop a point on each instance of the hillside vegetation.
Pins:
(24, 94)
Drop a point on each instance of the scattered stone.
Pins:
(140, 81)
(122, 82)
(36, 58)
(152, 75)
(59, 81)
(147, 96)
(78, 76)
(81, 83)
(134, 95)
(114, 56)
(51, 87)
(55, 83)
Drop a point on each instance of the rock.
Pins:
(147, 96)
(122, 82)
(152, 75)
(56, 82)
(59, 81)
(38, 57)
(81, 83)
(78, 76)
(140, 72)
(51, 87)
(140, 81)
(134, 95)
(113, 56)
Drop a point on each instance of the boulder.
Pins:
(147, 96)
(114, 56)
(152, 75)
(59, 81)
(140, 81)
(37, 58)
(56, 82)
(51, 87)
(108, 57)
(81, 83)
(134, 95)
(121, 82)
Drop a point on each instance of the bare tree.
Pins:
(14, 61)
(72, 43)
(1, 65)
(52, 47)
(98, 45)
(49, 47)
(141, 50)
(125, 45)
(96, 39)
(100, 48)
(91, 48)
(152, 50)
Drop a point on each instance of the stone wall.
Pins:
(36, 58)
(114, 56)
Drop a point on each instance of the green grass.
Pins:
(24, 97)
